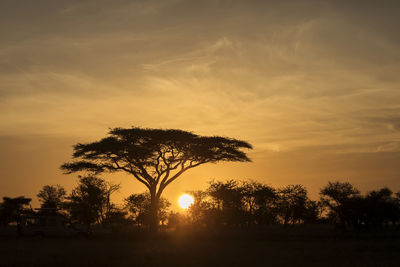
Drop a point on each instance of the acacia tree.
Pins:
(154, 157)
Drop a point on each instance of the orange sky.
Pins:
(314, 86)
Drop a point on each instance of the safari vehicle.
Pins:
(50, 224)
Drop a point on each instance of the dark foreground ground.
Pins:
(300, 246)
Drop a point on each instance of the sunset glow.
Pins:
(199, 133)
(185, 201)
(312, 85)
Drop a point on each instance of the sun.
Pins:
(185, 201)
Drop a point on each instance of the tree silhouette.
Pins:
(89, 202)
(381, 208)
(260, 201)
(12, 208)
(199, 211)
(228, 200)
(51, 196)
(154, 157)
(341, 198)
(139, 206)
(292, 203)
(335, 193)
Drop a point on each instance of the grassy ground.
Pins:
(266, 247)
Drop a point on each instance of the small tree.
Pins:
(139, 205)
(292, 203)
(382, 208)
(339, 198)
(12, 208)
(260, 202)
(198, 212)
(51, 196)
(89, 202)
(312, 212)
(228, 200)
(154, 157)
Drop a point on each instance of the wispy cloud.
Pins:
(287, 76)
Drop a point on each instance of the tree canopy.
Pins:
(152, 155)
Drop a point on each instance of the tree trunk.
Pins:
(154, 212)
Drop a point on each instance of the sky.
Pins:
(314, 86)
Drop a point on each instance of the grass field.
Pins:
(267, 247)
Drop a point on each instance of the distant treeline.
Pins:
(223, 204)
(245, 204)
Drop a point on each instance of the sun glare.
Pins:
(185, 201)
